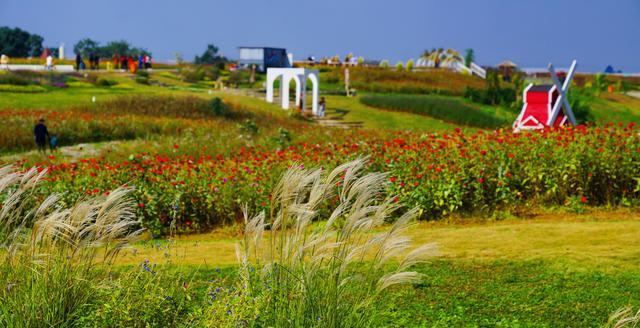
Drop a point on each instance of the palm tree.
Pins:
(441, 56)
(452, 56)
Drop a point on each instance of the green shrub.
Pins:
(16, 79)
(445, 108)
(248, 128)
(142, 73)
(104, 82)
(142, 80)
(22, 88)
(146, 296)
(218, 108)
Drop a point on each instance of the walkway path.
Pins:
(635, 94)
(334, 117)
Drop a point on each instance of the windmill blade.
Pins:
(562, 96)
(569, 78)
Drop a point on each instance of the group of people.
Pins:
(42, 135)
(125, 63)
(94, 62)
(131, 63)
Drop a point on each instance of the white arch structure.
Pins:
(300, 76)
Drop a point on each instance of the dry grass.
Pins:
(605, 241)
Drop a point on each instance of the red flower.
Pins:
(141, 205)
(175, 146)
(583, 199)
(393, 179)
(481, 180)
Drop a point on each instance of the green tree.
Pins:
(122, 47)
(469, 57)
(384, 63)
(493, 87)
(86, 46)
(410, 65)
(19, 43)
(211, 56)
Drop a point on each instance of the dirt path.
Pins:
(635, 94)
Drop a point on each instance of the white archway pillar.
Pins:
(300, 76)
(271, 79)
(314, 92)
(284, 91)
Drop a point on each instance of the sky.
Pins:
(531, 33)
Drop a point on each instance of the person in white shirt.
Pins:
(4, 62)
(49, 65)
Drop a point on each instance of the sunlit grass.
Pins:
(597, 241)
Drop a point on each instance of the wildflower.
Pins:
(583, 199)
(141, 205)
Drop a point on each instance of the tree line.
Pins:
(87, 46)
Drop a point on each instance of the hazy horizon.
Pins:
(530, 34)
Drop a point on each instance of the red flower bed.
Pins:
(441, 174)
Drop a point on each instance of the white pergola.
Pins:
(300, 76)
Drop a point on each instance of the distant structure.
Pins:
(264, 57)
(300, 76)
(507, 68)
(61, 51)
(610, 70)
(449, 59)
(547, 105)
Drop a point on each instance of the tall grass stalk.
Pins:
(300, 274)
(624, 318)
(51, 254)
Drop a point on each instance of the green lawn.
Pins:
(564, 270)
(351, 110)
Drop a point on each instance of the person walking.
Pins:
(140, 61)
(53, 143)
(123, 62)
(49, 63)
(4, 62)
(78, 61)
(322, 106)
(116, 61)
(41, 134)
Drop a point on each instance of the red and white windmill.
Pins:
(546, 105)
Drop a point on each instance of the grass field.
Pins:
(554, 270)
(567, 265)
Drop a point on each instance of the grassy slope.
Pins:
(615, 107)
(351, 110)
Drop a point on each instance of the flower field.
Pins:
(441, 174)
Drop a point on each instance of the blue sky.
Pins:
(530, 33)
